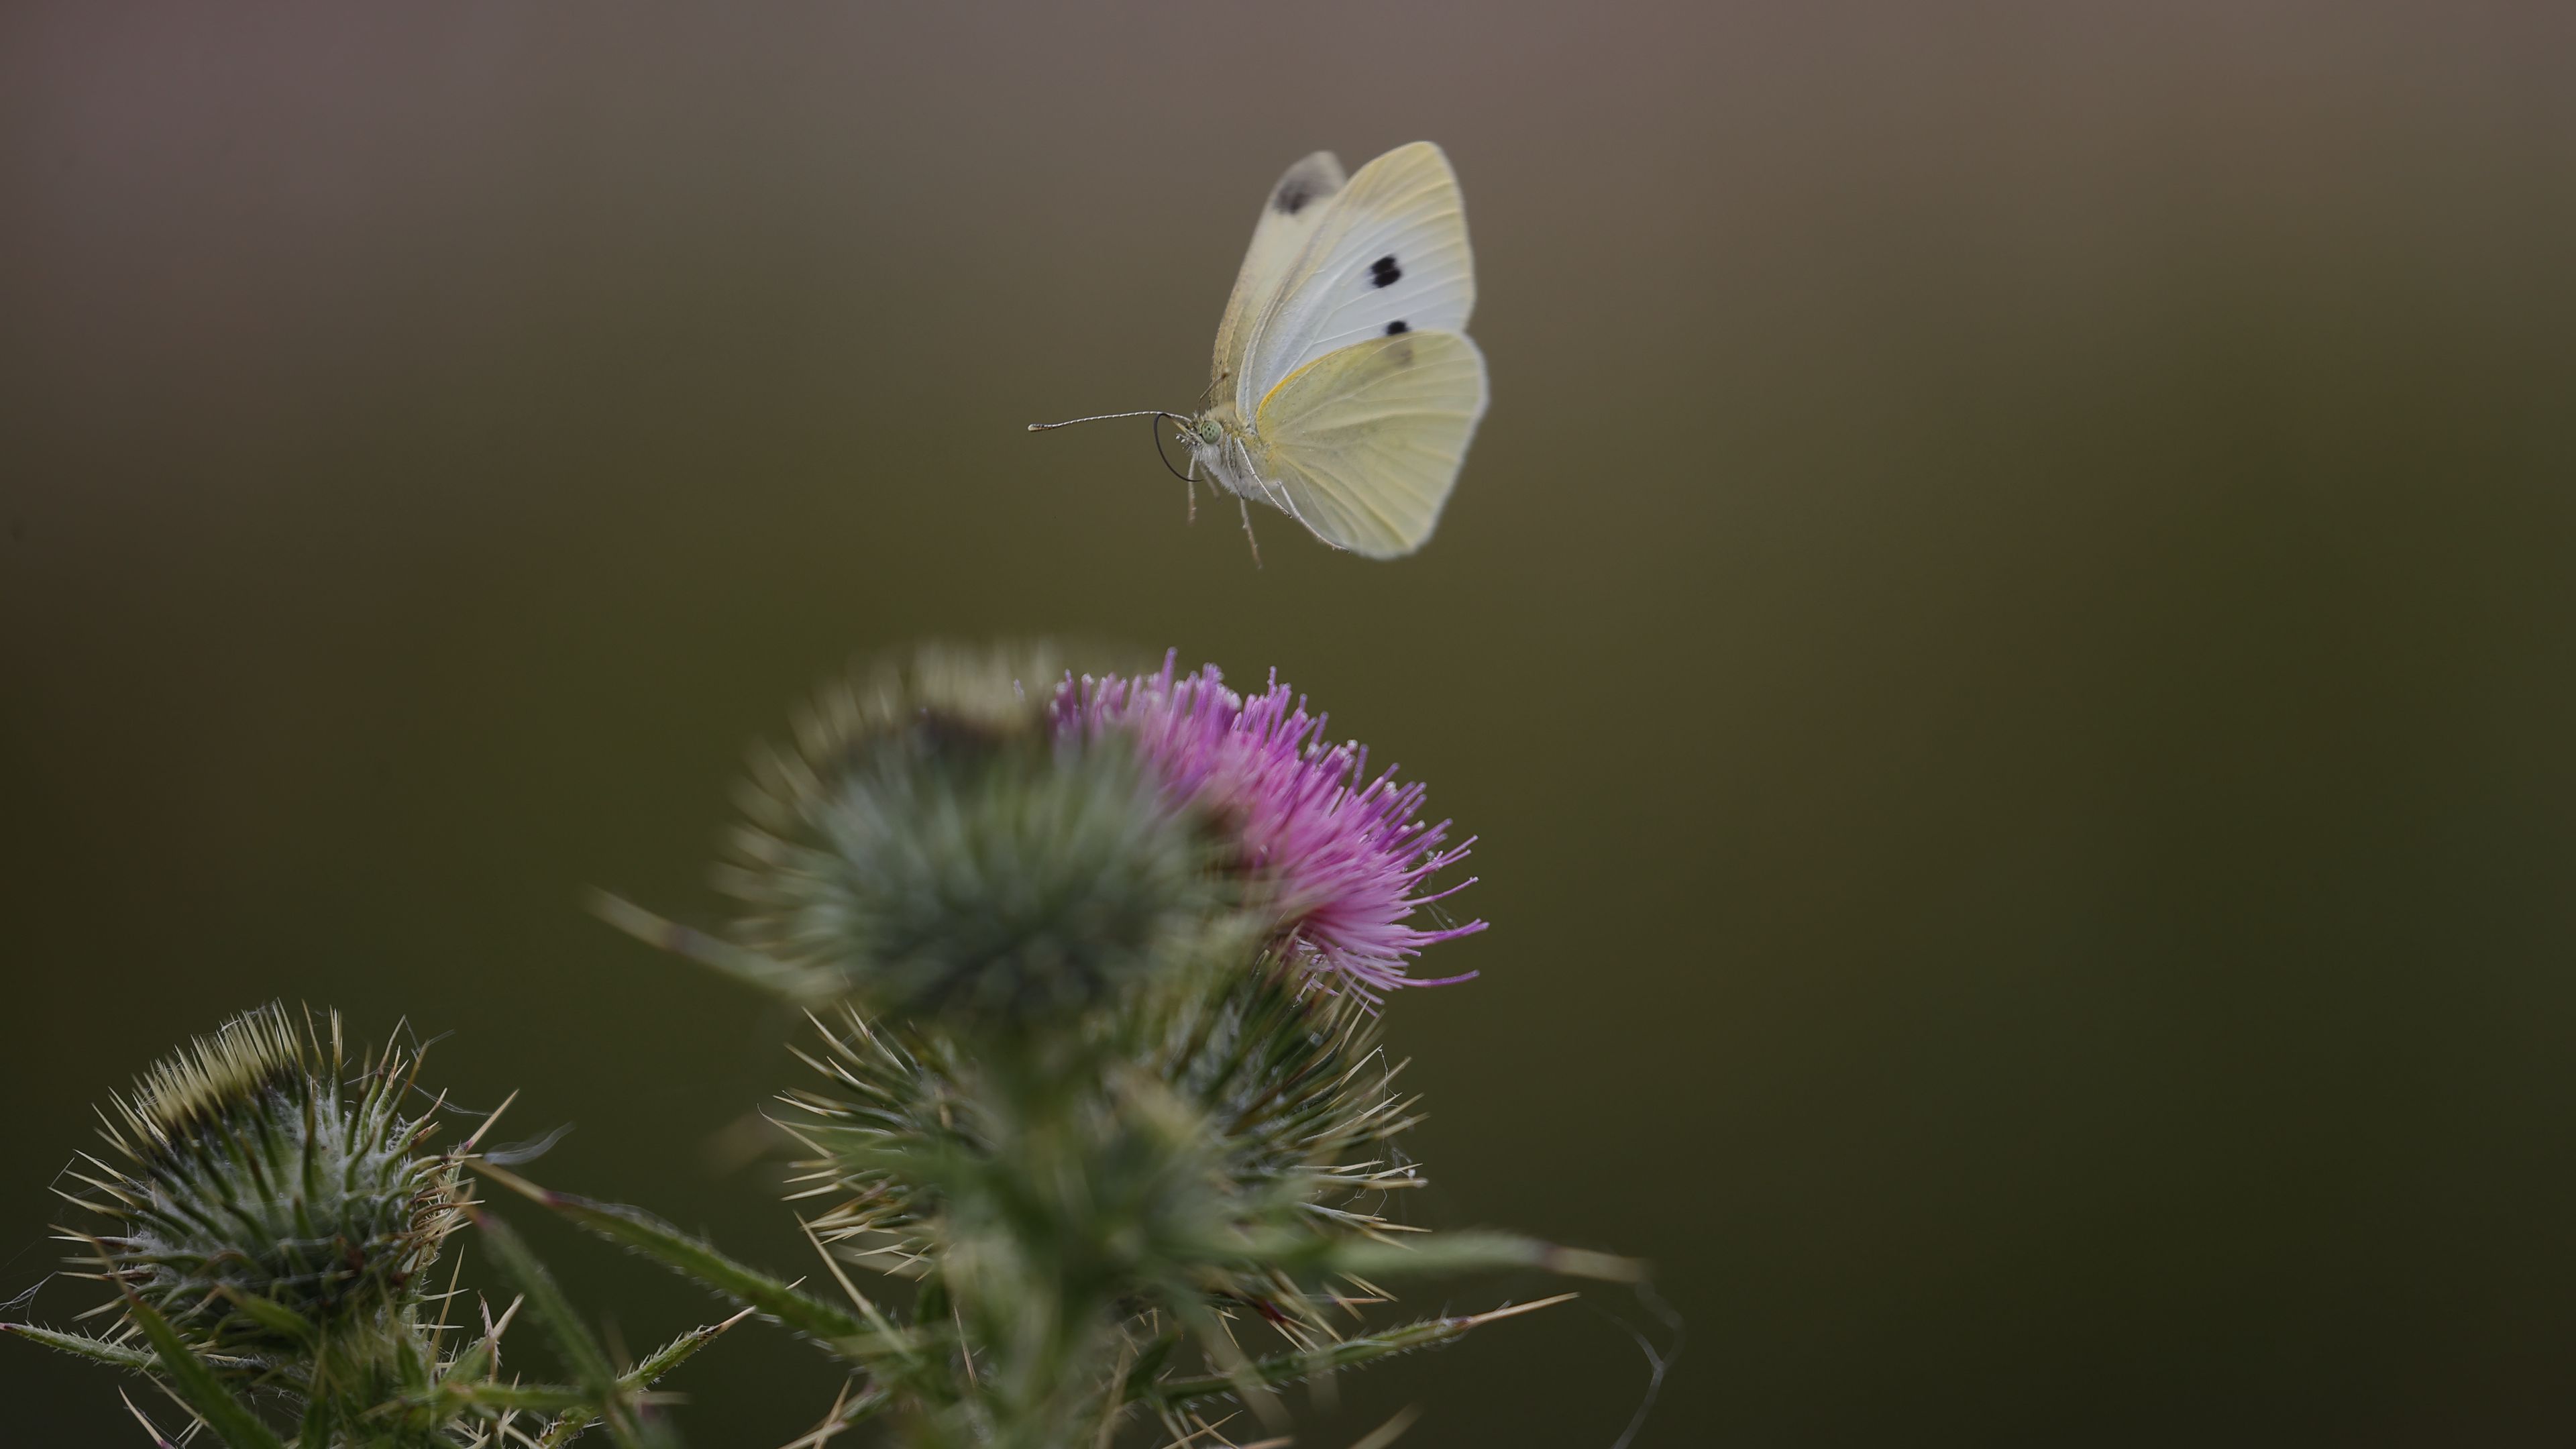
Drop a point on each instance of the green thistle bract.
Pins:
(267, 1198)
(931, 847)
(1241, 1114)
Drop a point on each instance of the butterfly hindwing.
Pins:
(1365, 442)
(1389, 255)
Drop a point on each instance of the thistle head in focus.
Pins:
(262, 1195)
(1337, 861)
(932, 846)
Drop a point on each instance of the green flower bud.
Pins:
(934, 848)
(1242, 1116)
(269, 1197)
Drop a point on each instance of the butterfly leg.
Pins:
(1190, 486)
(1246, 505)
(1271, 493)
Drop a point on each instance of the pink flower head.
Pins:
(1342, 861)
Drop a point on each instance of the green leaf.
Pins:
(136, 1360)
(801, 985)
(687, 1256)
(197, 1384)
(677, 1352)
(471, 1364)
(273, 1316)
(1472, 1252)
(1289, 1368)
(657, 1363)
(97, 1350)
(573, 1339)
(533, 1398)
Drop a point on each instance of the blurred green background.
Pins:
(2009, 636)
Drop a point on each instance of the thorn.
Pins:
(468, 1144)
(1514, 1310)
(149, 1427)
(1392, 1430)
(520, 1185)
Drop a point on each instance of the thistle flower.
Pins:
(1340, 859)
(261, 1204)
(933, 846)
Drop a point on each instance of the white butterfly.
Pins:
(1345, 388)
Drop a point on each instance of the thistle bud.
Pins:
(267, 1196)
(934, 847)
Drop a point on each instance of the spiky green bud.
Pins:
(270, 1225)
(268, 1195)
(1233, 1128)
(933, 848)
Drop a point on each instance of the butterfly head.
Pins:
(1210, 430)
(1223, 448)
(1205, 437)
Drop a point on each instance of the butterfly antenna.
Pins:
(1104, 417)
(1158, 437)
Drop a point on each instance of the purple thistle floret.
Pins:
(1341, 862)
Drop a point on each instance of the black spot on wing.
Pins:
(1316, 178)
(1398, 328)
(1384, 272)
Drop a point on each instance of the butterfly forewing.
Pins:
(1388, 256)
(1289, 215)
(1365, 442)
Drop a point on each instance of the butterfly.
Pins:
(1345, 388)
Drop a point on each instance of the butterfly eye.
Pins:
(1208, 431)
